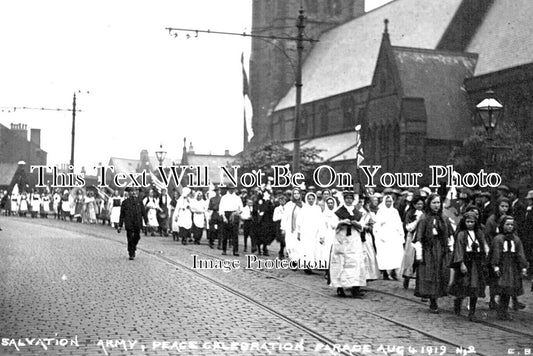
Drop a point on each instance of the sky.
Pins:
(137, 87)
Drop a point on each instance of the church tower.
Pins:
(273, 62)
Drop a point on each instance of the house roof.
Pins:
(504, 40)
(345, 57)
(213, 162)
(437, 77)
(7, 173)
(125, 165)
(336, 147)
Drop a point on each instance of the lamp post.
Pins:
(161, 154)
(489, 110)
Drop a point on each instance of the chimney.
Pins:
(226, 152)
(20, 130)
(35, 136)
(191, 149)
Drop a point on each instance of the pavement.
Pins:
(71, 290)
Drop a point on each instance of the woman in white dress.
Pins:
(151, 206)
(327, 234)
(199, 211)
(347, 267)
(115, 202)
(308, 226)
(389, 235)
(288, 224)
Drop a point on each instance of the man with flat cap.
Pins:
(132, 214)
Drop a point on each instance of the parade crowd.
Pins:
(462, 246)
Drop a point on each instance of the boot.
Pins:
(393, 275)
(386, 275)
(433, 306)
(406, 283)
(457, 306)
(472, 311)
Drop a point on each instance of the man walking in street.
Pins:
(230, 209)
(132, 214)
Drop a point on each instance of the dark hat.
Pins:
(387, 191)
(503, 187)
(348, 192)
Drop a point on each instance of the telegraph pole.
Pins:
(173, 31)
(73, 131)
(298, 83)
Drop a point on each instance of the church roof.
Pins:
(437, 77)
(345, 57)
(333, 148)
(504, 38)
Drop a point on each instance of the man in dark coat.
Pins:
(132, 214)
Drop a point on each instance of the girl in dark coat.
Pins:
(263, 220)
(432, 243)
(508, 262)
(469, 263)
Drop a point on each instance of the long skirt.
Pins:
(407, 270)
(292, 245)
(115, 215)
(347, 267)
(371, 263)
(433, 273)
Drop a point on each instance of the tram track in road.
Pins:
(313, 333)
(375, 290)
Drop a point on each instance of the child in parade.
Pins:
(469, 263)
(508, 262)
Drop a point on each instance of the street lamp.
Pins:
(161, 154)
(489, 110)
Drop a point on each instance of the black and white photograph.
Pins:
(266, 177)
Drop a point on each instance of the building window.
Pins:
(323, 119)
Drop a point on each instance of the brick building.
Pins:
(412, 84)
(14, 148)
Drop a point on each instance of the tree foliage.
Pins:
(264, 156)
(508, 154)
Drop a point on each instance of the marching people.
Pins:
(35, 203)
(163, 213)
(45, 204)
(90, 208)
(433, 244)
(469, 262)
(367, 236)
(526, 231)
(389, 235)
(78, 206)
(132, 215)
(23, 204)
(327, 231)
(199, 211)
(412, 218)
(279, 211)
(509, 264)
(230, 209)
(66, 202)
(247, 224)
(308, 227)
(115, 203)
(215, 220)
(288, 224)
(56, 204)
(263, 223)
(152, 207)
(346, 267)
(182, 221)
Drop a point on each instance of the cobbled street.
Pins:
(70, 290)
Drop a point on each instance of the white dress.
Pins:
(389, 234)
(309, 225)
(288, 224)
(150, 204)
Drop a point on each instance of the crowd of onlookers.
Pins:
(455, 244)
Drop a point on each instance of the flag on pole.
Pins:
(358, 147)
(247, 105)
(158, 184)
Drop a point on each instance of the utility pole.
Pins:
(73, 131)
(173, 31)
(298, 83)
